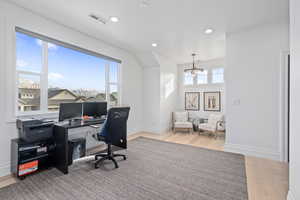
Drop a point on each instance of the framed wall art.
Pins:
(192, 101)
(212, 101)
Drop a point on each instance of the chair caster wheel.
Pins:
(125, 158)
(96, 166)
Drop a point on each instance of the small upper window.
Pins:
(188, 79)
(218, 75)
(202, 77)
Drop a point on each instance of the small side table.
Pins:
(197, 121)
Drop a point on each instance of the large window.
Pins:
(49, 74)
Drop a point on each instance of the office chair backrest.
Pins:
(117, 126)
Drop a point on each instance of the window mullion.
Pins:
(209, 76)
(107, 89)
(44, 78)
(119, 83)
(17, 93)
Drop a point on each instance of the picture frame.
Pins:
(212, 101)
(192, 101)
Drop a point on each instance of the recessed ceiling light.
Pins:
(114, 19)
(154, 44)
(208, 31)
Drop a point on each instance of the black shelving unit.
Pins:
(28, 158)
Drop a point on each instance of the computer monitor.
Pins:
(94, 109)
(69, 111)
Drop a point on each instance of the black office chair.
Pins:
(113, 133)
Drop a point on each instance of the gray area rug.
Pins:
(154, 170)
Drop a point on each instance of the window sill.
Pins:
(204, 85)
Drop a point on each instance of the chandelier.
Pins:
(194, 70)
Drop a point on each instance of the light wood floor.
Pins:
(266, 179)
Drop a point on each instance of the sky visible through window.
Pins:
(67, 68)
(29, 54)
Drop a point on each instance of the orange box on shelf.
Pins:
(28, 168)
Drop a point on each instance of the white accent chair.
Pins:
(180, 121)
(215, 123)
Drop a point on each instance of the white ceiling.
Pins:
(176, 25)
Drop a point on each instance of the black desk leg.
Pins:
(61, 152)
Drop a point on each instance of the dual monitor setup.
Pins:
(85, 110)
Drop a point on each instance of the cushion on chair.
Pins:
(207, 127)
(214, 118)
(181, 116)
(183, 125)
(211, 124)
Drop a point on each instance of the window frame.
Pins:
(207, 78)
(209, 73)
(43, 75)
(108, 83)
(188, 85)
(24, 113)
(212, 75)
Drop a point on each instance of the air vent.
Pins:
(98, 18)
(145, 3)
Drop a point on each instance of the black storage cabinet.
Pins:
(23, 152)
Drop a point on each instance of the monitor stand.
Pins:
(74, 120)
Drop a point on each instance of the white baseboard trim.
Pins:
(252, 151)
(166, 130)
(290, 196)
(4, 169)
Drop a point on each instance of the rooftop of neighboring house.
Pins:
(57, 96)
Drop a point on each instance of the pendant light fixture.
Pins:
(194, 70)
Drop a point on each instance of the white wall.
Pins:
(208, 65)
(160, 95)
(252, 89)
(168, 91)
(294, 173)
(10, 16)
(151, 99)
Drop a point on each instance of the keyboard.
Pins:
(94, 121)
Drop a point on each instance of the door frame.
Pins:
(284, 106)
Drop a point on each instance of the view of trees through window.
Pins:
(65, 76)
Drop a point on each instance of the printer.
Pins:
(32, 130)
